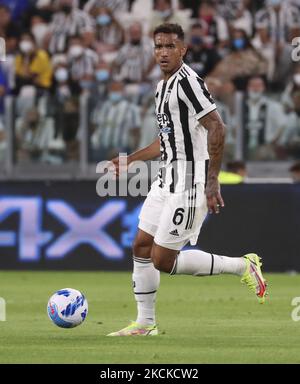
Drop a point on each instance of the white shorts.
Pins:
(173, 219)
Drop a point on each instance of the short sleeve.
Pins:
(193, 91)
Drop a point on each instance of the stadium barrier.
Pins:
(65, 225)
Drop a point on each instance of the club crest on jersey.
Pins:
(168, 95)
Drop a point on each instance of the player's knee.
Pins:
(141, 250)
(159, 262)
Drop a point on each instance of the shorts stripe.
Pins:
(212, 264)
(189, 213)
(192, 208)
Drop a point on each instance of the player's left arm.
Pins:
(215, 142)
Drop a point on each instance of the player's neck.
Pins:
(169, 74)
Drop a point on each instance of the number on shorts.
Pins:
(178, 216)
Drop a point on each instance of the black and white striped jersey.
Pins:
(83, 66)
(63, 26)
(180, 103)
(116, 6)
(134, 60)
(113, 122)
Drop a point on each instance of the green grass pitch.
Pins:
(201, 320)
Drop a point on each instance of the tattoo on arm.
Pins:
(215, 142)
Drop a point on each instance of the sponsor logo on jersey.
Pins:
(163, 119)
(163, 123)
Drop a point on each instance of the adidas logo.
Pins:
(174, 233)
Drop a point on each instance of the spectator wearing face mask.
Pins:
(134, 60)
(68, 21)
(164, 13)
(292, 86)
(32, 65)
(264, 121)
(63, 87)
(64, 109)
(116, 125)
(244, 61)
(199, 57)
(103, 77)
(82, 64)
(109, 32)
(39, 29)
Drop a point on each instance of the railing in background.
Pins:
(68, 153)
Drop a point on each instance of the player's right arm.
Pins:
(150, 152)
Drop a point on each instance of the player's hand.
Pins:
(213, 196)
(119, 164)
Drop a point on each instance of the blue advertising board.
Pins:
(65, 225)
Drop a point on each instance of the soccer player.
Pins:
(190, 132)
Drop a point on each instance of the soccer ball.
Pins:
(67, 308)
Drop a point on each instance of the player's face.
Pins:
(169, 51)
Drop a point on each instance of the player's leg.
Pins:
(176, 229)
(195, 262)
(182, 218)
(145, 280)
(145, 276)
(198, 263)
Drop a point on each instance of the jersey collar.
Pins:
(176, 73)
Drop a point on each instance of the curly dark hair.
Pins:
(169, 28)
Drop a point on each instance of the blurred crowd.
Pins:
(58, 51)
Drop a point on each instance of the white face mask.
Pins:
(26, 46)
(297, 78)
(39, 31)
(61, 75)
(254, 95)
(75, 51)
(165, 14)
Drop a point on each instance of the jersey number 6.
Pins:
(178, 216)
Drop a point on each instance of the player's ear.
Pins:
(183, 49)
